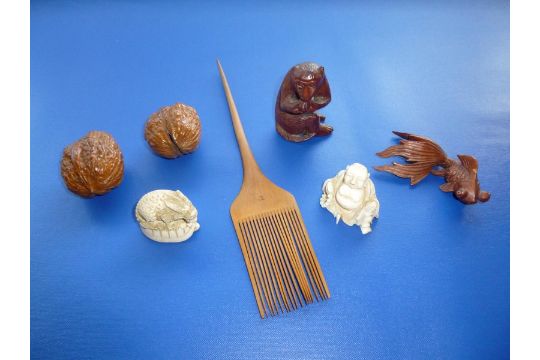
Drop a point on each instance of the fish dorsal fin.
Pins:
(413, 137)
(469, 162)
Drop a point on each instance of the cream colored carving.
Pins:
(350, 196)
(166, 216)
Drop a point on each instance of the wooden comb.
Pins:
(281, 263)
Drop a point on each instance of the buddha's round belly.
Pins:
(348, 198)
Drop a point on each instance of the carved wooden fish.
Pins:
(422, 155)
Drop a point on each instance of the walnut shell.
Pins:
(93, 165)
(173, 130)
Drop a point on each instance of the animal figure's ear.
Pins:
(484, 196)
(469, 162)
(447, 187)
(173, 203)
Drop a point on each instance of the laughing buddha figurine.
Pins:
(350, 196)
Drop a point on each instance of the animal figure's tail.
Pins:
(422, 154)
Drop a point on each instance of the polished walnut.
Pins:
(173, 131)
(93, 165)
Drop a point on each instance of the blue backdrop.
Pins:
(430, 282)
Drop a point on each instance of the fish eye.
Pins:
(460, 192)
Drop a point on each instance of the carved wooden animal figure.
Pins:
(422, 155)
(304, 90)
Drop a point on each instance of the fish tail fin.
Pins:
(420, 153)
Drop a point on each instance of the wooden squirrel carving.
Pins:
(304, 90)
(422, 155)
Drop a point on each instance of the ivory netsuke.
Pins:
(350, 196)
(166, 216)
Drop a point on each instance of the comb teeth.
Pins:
(278, 255)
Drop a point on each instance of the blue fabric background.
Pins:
(430, 282)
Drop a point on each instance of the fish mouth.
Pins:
(467, 199)
(471, 199)
(484, 196)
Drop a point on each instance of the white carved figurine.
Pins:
(166, 216)
(350, 196)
